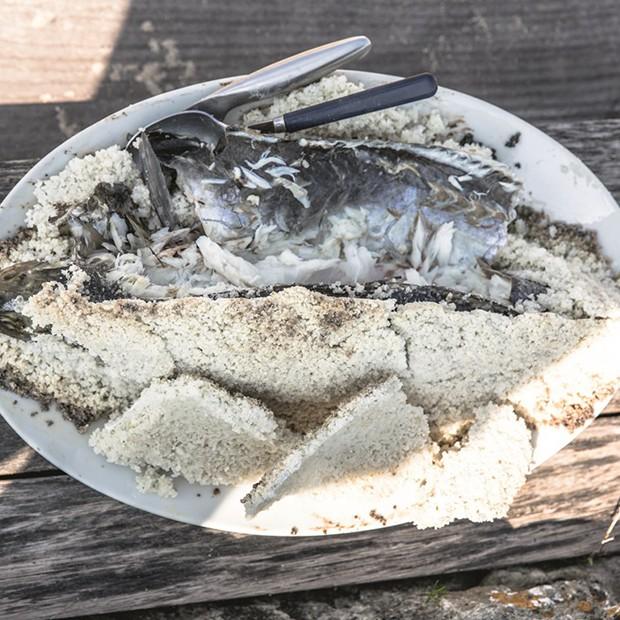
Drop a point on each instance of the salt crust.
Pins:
(302, 353)
(193, 428)
(342, 464)
(373, 432)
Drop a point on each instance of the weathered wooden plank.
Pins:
(539, 63)
(17, 457)
(569, 589)
(68, 551)
(614, 405)
(32, 130)
(11, 172)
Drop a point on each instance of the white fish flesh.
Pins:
(408, 194)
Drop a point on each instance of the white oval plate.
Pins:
(559, 183)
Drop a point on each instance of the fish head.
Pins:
(180, 134)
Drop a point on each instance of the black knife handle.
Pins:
(381, 97)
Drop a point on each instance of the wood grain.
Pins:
(11, 172)
(69, 551)
(541, 63)
(614, 405)
(17, 457)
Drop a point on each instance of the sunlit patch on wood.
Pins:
(16, 462)
(31, 46)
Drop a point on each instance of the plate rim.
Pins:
(16, 419)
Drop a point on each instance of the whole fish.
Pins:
(243, 184)
(241, 181)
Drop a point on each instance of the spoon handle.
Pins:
(381, 97)
(283, 76)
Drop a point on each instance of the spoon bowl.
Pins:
(263, 85)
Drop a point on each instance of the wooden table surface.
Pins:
(68, 551)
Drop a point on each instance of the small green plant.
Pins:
(435, 593)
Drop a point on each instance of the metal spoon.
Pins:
(204, 130)
(278, 78)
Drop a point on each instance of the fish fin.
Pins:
(155, 182)
(27, 278)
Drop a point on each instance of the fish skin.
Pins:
(97, 289)
(436, 183)
(26, 278)
(522, 289)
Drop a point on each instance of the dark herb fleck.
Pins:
(377, 517)
(513, 140)
(468, 138)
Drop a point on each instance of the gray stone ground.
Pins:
(578, 590)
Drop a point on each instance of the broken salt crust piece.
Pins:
(373, 432)
(193, 428)
(479, 480)
(373, 457)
